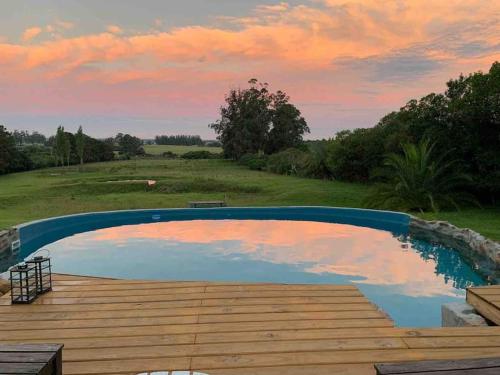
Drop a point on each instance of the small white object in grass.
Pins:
(151, 182)
(172, 373)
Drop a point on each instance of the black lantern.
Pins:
(43, 273)
(23, 283)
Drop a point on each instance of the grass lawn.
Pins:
(178, 150)
(102, 186)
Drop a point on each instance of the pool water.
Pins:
(407, 278)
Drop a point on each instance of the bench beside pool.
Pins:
(226, 328)
(207, 204)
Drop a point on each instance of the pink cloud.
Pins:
(330, 55)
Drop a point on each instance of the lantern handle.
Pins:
(36, 252)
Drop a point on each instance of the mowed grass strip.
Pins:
(179, 150)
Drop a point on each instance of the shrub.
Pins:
(289, 162)
(419, 180)
(256, 162)
(315, 161)
(169, 155)
(199, 155)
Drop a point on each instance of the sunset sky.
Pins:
(162, 67)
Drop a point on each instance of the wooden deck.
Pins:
(128, 327)
(486, 300)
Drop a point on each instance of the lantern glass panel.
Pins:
(23, 282)
(43, 273)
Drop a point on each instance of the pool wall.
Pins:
(36, 234)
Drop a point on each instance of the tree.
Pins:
(12, 159)
(288, 126)
(256, 121)
(7, 149)
(245, 120)
(60, 145)
(80, 144)
(67, 148)
(420, 180)
(129, 144)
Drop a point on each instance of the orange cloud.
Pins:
(31, 33)
(302, 35)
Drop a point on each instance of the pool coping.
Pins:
(480, 251)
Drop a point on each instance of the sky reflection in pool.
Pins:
(409, 280)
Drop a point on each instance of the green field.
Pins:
(104, 186)
(178, 150)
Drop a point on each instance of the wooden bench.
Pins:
(207, 204)
(486, 366)
(43, 359)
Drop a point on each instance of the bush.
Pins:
(289, 162)
(169, 155)
(40, 156)
(199, 155)
(256, 162)
(315, 161)
(420, 180)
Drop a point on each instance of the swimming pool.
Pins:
(407, 278)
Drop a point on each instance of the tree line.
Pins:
(62, 149)
(436, 152)
(179, 140)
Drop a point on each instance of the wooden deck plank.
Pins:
(486, 301)
(131, 326)
(200, 289)
(60, 334)
(341, 369)
(211, 288)
(452, 342)
(317, 334)
(182, 311)
(333, 357)
(232, 349)
(136, 365)
(189, 319)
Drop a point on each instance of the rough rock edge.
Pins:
(461, 314)
(481, 251)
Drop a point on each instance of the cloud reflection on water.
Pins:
(367, 255)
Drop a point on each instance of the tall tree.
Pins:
(288, 126)
(80, 144)
(245, 121)
(7, 149)
(254, 120)
(59, 145)
(66, 148)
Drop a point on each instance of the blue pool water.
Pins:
(407, 278)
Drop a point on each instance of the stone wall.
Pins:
(480, 251)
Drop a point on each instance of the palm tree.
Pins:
(419, 180)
